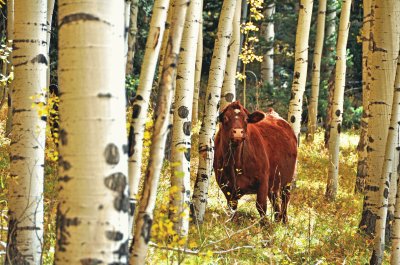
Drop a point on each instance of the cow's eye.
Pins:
(226, 119)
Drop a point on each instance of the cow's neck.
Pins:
(233, 158)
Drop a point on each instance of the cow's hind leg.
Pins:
(276, 206)
(285, 202)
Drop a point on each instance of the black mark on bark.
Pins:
(40, 58)
(146, 229)
(90, 261)
(111, 154)
(229, 97)
(183, 112)
(80, 17)
(187, 126)
(114, 235)
(136, 111)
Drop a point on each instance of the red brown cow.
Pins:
(255, 154)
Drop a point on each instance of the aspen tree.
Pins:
(142, 99)
(181, 131)
(366, 83)
(386, 175)
(228, 92)
(25, 196)
(394, 177)
(127, 20)
(161, 58)
(50, 10)
(316, 71)
(147, 202)
(300, 66)
(25, 199)
(10, 37)
(213, 94)
(132, 32)
(395, 235)
(385, 44)
(337, 103)
(268, 31)
(93, 209)
(197, 77)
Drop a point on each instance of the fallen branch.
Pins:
(197, 252)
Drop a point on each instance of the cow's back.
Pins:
(281, 145)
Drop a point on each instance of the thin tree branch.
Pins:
(197, 252)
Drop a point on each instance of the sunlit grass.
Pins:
(318, 231)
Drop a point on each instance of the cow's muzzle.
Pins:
(238, 134)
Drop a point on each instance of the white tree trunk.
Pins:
(213, 94)
(228, 91)
(267, 65)
(127, 21)
(385, 179)
(25, 199)
(181, 131)
(164, 42)
(385, 44)
(10, 38)
(395, 236)
(197, 77)
(148, 200)
(366, 83)
(394, 177)
(337, 104)
(93, 209)
(50, 10)
(331, 23)
(142, 99)
(300, 66)
(132, 32)
(316, 71)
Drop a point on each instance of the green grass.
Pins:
(318, 231)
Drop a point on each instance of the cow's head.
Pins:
(234, 119)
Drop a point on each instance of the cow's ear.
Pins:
(221, 117)
(255, 117)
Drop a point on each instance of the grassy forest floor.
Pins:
(319, 232)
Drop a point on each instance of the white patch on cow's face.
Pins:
(237, 111)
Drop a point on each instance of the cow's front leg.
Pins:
(262, 195)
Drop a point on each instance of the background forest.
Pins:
(119, 103)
